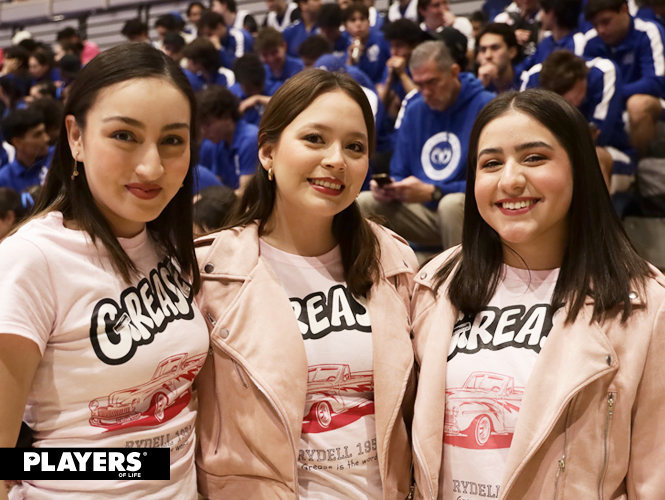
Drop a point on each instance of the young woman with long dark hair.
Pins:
(540, 340)
(99, 337)
(307, 306)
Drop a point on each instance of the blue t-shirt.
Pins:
(291, 67)
(432, 145)
(252, 115)
(229, 162)
(295, 34)
(225, 78)
(204, 178)
(16, 176)
(373, 60)
(341, 45)
(639, 56)
(236, 43)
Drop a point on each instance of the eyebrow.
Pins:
(136, 123)
(327, 128)
(521, 147)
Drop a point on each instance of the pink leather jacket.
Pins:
(592, 420)
(252, 387)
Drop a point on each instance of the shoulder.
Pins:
(426, 275)
(396, 248)
(229, 249)
(592, 37)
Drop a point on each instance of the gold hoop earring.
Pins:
(75, 173)
(271, 176)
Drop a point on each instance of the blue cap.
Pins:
(330, 63)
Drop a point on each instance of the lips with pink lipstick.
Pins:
(327, 185)
(144, 191)
(516, 206)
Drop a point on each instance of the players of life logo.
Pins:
(440, 155)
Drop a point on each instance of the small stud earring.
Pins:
(271, 176)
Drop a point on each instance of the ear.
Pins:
(455, 70)
(75, 138)
(512, 52)
(266, 153)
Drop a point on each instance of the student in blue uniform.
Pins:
(369, 51)
(330, 22)
(281, 13)
(497, 52)
(250, 88)
(593, 87)
(230, 148)
(41, 67)
(652, 10)
(231, 42)
(305, 27)
(425, 201)
(24, 129)
(204, 67)
(279, 66)
(636, 46)
(313, 48)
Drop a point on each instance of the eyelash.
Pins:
(318, 139)
(531, 158)
(177, 140)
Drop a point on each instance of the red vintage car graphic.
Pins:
(151, 403)
(482, 413)
(336, 397)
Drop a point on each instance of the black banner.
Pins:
(75, 464)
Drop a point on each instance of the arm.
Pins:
(652, 66)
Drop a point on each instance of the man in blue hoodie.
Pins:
(425, 200)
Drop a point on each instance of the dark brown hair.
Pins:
(357, 241)
(561, 71)
(172, 230)
(599, 261)
(268, 38)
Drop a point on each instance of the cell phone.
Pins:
(382, 179)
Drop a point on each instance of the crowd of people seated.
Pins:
(426, 72)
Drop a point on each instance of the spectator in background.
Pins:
(70, 66)
(424, 203)
(203, 65)
(51, 110)
(41, 68)
(304, 27)
(498, 51)
(15, 68)
(11, 210)
(194, 10)
(89, 49)
(45, 90)
(166, 24)
(369, 51)
(651, 10)
(376, 20)
(636, 46)
(173, 46)
(313, 48)
(230, 42)
(403, 9)
(239, 19)
(478, 21)
(212, 205)
(436, 15)
(24, 129)
(271, 48)
(230, 148)
(330, 22)
(250, 88)
(524, 17)
(135, 30)
(281, 13)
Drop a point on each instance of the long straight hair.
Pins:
(599, 261)
(173, 228)
(358, 243)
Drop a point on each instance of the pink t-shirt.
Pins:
(489, 363)
(338, 456)
(118, 359)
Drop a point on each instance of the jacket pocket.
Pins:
(610, 404)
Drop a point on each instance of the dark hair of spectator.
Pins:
(217, 102)
(500, 29)
(267, 39)
(479, 16)
(192, 5)
(172, 229)
(18, 122)
(606, 268)
(594, 7)
(47, 89)
(67, 33)
(422, 5)
(10, 201)
(353, 8)
(230, 4)
(249, 24)
(314, 47)
(51, 110)
(249, 70)
(10, 87)
(175, 41)
(17, 52)
(329, 16)
(561, 71)
(43, 58)
(168, 21)
(203, 52)
(70, 64)
(210, 20)
(134, 28)
(71, 46)
(456, 43)
(566, 12)
(212, 207)
(358, 244)
(404, 30)
(29, 44)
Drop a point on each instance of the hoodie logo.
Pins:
(441, 155)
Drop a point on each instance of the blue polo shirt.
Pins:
(340, 46)
(229, 162)
(292, 66)
(373, 60)
(16, 176)
(252, 115)
(295, 34)
(236, 43)
(639, 56)
(204, 178)
(199, 83)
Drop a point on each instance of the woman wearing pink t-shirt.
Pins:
(100, 338)
(541, 339)
(307, 390)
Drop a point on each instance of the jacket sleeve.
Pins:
(608, 102)
(645, 480)
(652, 66)
(399, 163)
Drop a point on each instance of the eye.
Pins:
(357, 147)
(123, 136)
(534, 158)
(489, 164)
(173, 140)
(313, 138)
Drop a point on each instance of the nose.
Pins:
(512, 179)
(334, 157)
(150, 167)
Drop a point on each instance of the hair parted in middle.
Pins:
(358, 244)
(599, 260)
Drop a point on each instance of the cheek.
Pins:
(483, 189)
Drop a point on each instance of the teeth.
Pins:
(327, 184)
(518, 205)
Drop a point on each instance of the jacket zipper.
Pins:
(562, 461)
(211, 352)
(422, 466)
(608, 420)
(239, 372)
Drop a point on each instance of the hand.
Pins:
(396, 64)
(10, 65)
(356, 50)
(250, 102)
(411, 190)
(216, 41)
(522, 36)
(487, 73)
(382, 195)
(448, 18)
(595, 131)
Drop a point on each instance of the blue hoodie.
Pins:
(432, 145)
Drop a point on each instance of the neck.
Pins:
(230, 18)
(404, 3)
(293, 231)
(529, 11)
(26, 160)
(558, 33)
(307, 20)
(433, 24)
(281, 10)
(505, 79)
(232, 131)
(547, 253)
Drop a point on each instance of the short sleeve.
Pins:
(26, 293)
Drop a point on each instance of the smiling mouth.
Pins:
(517, 205)
(327, 184)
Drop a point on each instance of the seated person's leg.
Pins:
(450, 213)
(643, 113)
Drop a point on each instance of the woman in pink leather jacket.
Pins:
(540, 340)
(307, 304)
